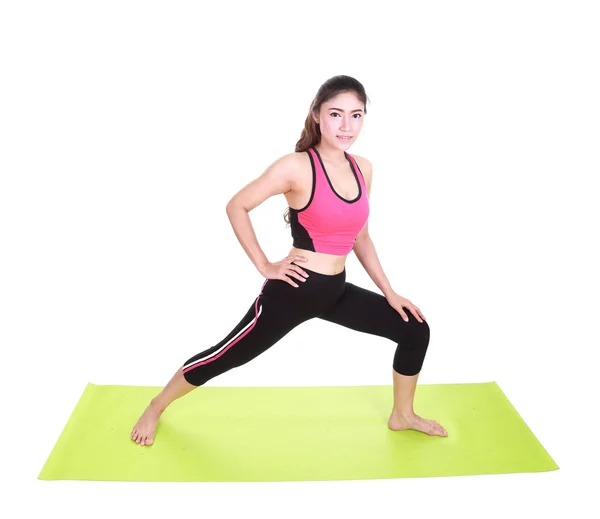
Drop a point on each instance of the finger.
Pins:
(416, 314)
(298, 269)
(420, 313)
(404, 316)
(293, 274)
(288, 280)
(303, 258)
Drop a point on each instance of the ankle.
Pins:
(404, 414)
(158, 404)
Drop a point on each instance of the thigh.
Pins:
(369, 312)
(267, 320)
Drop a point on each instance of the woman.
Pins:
(328, 211)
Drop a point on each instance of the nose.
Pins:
(344, 124)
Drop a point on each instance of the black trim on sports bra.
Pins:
(331, 185)
(314, 182)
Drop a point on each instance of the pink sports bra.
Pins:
(329, 223)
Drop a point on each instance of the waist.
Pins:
(328, 264)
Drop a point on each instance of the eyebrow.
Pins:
(339, 109)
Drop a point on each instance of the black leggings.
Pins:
(280, 307)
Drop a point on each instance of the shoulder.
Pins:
(295, 166)
(287, 170)
(281, 176)
(288, 165)
(291, 162)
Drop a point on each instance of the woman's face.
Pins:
(341, 116)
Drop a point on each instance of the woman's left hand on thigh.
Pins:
(396, 301)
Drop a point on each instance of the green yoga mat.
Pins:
(293, 434)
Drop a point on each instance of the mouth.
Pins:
(344, 137)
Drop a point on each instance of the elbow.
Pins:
(231, 206)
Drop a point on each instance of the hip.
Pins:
(326, 264)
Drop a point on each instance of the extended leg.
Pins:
(143, 432)
(268, 319)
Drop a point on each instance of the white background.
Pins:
(126, 128)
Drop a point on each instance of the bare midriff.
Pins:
(320, 262)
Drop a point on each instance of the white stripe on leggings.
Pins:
(228, 342)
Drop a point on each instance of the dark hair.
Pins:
(311, 133)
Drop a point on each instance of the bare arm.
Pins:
(364, 247)
(276, 179)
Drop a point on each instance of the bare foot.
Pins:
(143, 432)
(397, 422)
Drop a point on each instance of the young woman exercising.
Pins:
(327, 191)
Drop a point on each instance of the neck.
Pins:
(330, 154)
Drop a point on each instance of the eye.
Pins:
(335, 113)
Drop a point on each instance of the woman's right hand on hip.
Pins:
(284, 268)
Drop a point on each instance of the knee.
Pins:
(412, 334)
(196, 377)
(412, 343)
(422, 334)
